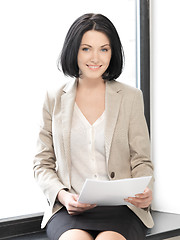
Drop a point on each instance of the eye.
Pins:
(85, 49)
(104, 50)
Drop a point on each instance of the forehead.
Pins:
(94, 37)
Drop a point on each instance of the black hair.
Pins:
(86, 22)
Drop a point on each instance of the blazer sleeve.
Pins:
(139, 141)
(44, 164)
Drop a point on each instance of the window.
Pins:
(32, 35)
(165, 117)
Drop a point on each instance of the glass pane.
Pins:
(32, 34)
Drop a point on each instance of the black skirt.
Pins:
(106, 218)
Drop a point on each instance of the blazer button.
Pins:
(112, 174)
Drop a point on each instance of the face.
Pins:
(94, 54)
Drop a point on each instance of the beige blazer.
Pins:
(126, 142)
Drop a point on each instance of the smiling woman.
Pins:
(93, 127)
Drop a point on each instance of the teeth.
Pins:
(94, 67)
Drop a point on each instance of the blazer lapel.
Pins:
(67, 106)
(112, 106)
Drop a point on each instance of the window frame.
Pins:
(31, 222)
(145, 57)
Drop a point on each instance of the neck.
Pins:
(91, 83)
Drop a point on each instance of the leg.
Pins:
(109, 235)
(76, 234)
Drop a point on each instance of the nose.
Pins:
(94, 57)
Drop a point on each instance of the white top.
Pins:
(87, 150)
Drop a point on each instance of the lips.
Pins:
(94, 67)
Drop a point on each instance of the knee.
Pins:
(109, 235)
(76, 234)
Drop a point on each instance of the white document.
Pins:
(112, 192)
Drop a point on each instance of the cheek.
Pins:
(79, 61)
(82, 59)
(107, 59)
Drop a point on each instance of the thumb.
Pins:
(146, 190)
(76, 197)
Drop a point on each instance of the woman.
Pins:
(93, 127)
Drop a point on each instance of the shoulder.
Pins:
(56, 92)
(129, 96)
(123, 88)
(53, 94)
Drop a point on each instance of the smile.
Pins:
(94, 67)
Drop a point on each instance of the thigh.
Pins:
(109, 235)
(76, 234)
(118, 219)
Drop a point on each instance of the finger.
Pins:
(142, 195)
(79, 204)
(138, 199)
(143, 199)
(75, 211)
(92, 206)
(147, 193)
(140, 202)
(82, 205)
(71, 212)
(86, 205)
(76, 197)
(74, 202)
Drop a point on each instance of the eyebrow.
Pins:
(91, 46)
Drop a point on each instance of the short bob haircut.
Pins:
(68, 57)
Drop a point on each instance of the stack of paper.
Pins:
(112, 192)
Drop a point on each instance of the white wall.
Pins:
(165, 79)
(32, 34)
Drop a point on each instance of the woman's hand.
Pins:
(142, 200)
(70, 201)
